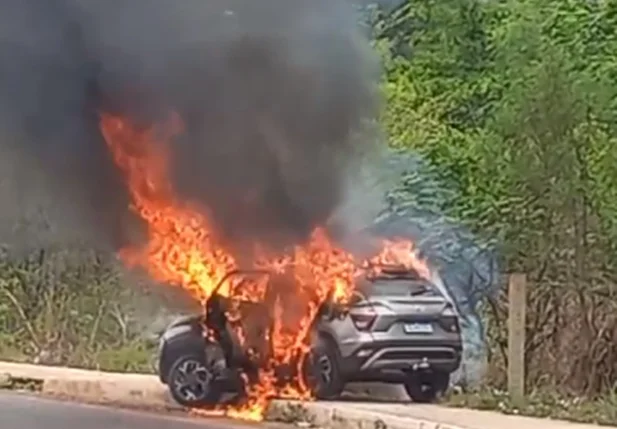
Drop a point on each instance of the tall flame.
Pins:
(182, 249)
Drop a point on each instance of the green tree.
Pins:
(514, 103)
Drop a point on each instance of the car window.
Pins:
(401, 287)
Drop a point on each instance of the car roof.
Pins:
(394, 280)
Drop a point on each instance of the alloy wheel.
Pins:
(192, 380)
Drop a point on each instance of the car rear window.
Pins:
(401, 287)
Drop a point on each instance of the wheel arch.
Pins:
(189, 342)
(327, 337)
(334, 388)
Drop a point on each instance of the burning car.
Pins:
(307, 318)
(398, 327)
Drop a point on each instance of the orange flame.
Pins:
(400, 253)
(182, 249)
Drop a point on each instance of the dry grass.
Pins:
(59, 309)
(571, 339)
(571, 354)
(542, 403)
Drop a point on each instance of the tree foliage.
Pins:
(513, 103)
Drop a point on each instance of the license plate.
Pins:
(418, 328)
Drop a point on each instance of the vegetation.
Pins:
(513, 103)
(61, 307)
(543, 403)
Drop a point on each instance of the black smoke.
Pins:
(271, 92)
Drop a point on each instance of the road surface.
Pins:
(19, 411)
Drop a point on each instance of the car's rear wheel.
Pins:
(192, 376)
(426, 387)
(322, 370)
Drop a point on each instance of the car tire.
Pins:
(191, 378)
(426, 388)
(322, 370)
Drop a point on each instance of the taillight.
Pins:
(363, 321)
(450, 324)
(449, 319)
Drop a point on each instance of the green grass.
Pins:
(135, 357)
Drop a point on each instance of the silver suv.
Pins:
(398, 328)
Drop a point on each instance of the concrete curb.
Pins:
(144, 391)
(333, 416)
(118, 392)
(125, 390)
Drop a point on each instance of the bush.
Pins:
(514, 104)
(74, 307)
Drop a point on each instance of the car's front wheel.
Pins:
(322, 371)
(191, 380)
(426, 387)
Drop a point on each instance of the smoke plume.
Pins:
(270, 92)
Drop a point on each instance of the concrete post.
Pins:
(517, 293)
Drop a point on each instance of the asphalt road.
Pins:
(18, 411)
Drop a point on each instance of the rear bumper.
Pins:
(390, 361)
